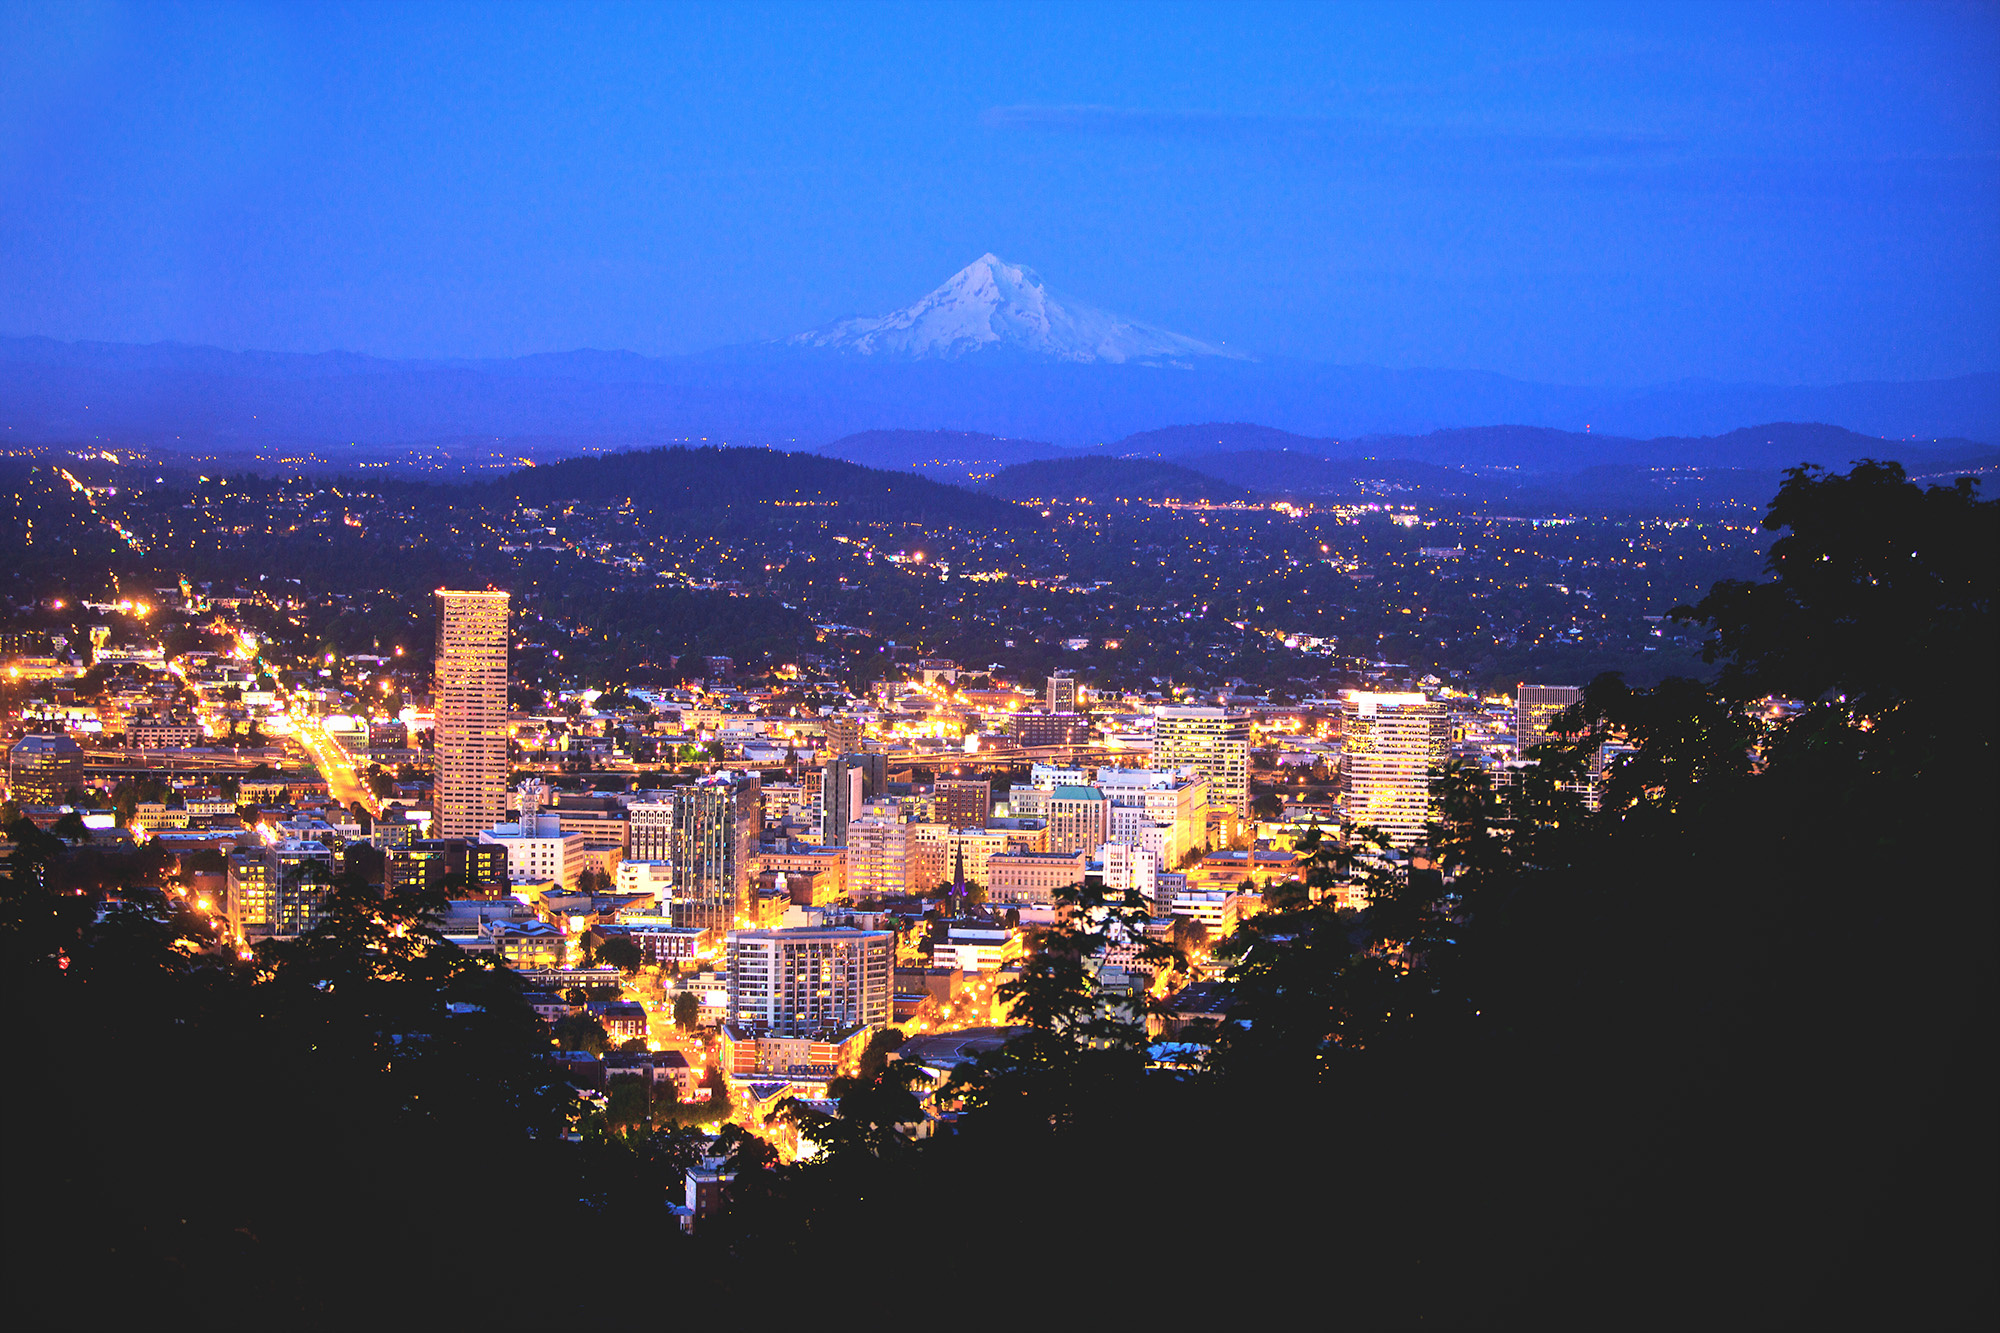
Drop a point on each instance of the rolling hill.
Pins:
(681, 483)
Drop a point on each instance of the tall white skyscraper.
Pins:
(1212, 741)
(469, 679)
(1389, 745)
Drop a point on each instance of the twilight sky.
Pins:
(1594, 194)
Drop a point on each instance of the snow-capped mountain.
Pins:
(991, 303)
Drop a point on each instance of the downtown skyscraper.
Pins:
(717, 822)
(1212, 741)
(1390, 744)
(470, 687)
(1535, 706)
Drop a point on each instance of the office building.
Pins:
(1534, 707)
(843, 734)
(1062, 695)
(538, 851)
(840, 795)
(1079, 819)
(1020, 878)
(1129, 869)
(929, 863)
(824, 868)
(1164, 810)
(643, 877)
(41, 770)
(961, 802)
(1037, 731)
(1391, 743)
(1214, 743)
(415, 865)
(969, 849)
(846, 783)
(716, 826)
(800, 983)
(470, 688)
(975, 946)
(651, 834)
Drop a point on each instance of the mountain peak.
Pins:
(992, 304)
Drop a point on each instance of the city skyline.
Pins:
(833, 658)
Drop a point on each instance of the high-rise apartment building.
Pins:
(1390, 744)
(470, 686)
(800, 983)
(301, 875)
(1534, 706)
(247, 890)
(717, 822)
(1212, 741)
(879, 858)
(1061, 697)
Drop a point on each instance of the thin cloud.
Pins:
(1352, 133)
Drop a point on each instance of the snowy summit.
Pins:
(991, 303)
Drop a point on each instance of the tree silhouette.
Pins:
(623, 953)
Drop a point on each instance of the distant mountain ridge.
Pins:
(807, 396)
(1496, 463)
(1209, 447)
(1777, 444)
(1102, 480)
(950, 455)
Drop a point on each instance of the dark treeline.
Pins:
(1716, 1054)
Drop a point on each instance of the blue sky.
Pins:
(1592, 194)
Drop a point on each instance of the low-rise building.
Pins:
(539, 850)
(823, 1055)
(975, 946)
(529, 945)
(1031, 877)
(659, 939)
(623, 1020)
